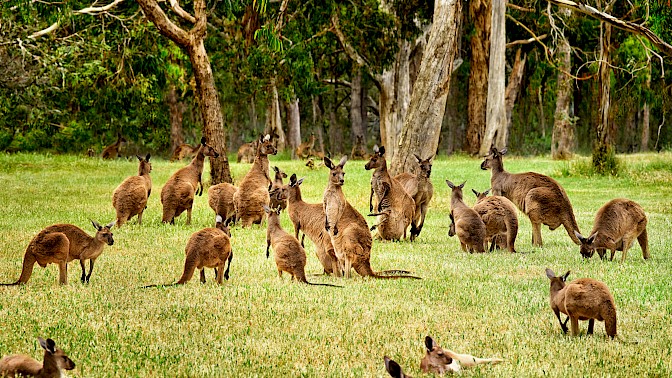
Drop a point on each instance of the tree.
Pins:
(192, 42)
(562, 143)
(481, 16)
(422, 126)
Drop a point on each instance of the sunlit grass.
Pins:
(258, 325)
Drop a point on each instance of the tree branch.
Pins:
(158, 17)
(96, 10)
(199, 30)
(352, 53)
(663, 46)
(526, 41)
(175, 6)
(42, 32)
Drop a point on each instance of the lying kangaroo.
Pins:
(54, 362)
(439, 360)
(62, 243)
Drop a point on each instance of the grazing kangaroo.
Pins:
(184, 150)
(347, 228)
(439, 360)
(499, 216)
(468, 226)
(52, 366)
(395, 208)
(62, 243)
(207, 248)
(112, 151)
(309, 218)
(290, 257)
(130, 197)
(177, 195)
(582, 299)
(220, 199)
(617, 224)
(394, 369)
(420, 188)
(540, 197)
(305, 149)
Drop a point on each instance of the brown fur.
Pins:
(252, 193)
(62, 243)
(347, 228)
(220, 199)
(208, 248)
(275, 200)
(395, 206)
(358, 150)
(52, 366)
(112, 151)
(246, 152)
(617, 224)
(468, 226)
(582, 299)
(393, 368)
(184, 151)
(540, 197)
(305, 149)
(439, 360)
(309, 218)
(130, 197)
(499, 216)
(290, 257)
(177, 195)
(420, 188)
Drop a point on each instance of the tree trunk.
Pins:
(274, 119)
(603, 152)
(513, 88)
(496, 132)
(317, 122)
(335, 132)
(176, 109)
(294, 125)
(253, 115)
(357, 126)
(480, 13)
(422, 126)
(646, 114)
(562, 143)
(395, 96)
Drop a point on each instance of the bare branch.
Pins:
(280, 23)
(352, 53)
(526, 41)
(158, 17)
(175, 6)
(519, 8)
(96, 10)
(46, 31)
(663, 46)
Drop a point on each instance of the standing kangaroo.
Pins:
(112, 151)
(54, 362)
(62, 243)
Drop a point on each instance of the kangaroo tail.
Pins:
(322, 284)
(161, 285)
(393, 271)
(11, 284)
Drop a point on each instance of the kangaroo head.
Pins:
(265, 146)
(393, 368)
(279, 195)
(63, 362)
(437, 360)
(336, 174)
(120, 140)
(456, 189)
(494, 158)
(451, 229)
(480, 196)
(587, 244)
(425, 165)
(557, 283)
(208, 150)
(103, 233)
(279, 174)
(377, 160)
(145, 166)
(222, 224)
(294, 182)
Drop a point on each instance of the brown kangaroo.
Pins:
(305, 149)
(468, 225)
(130, 197)
(184, 150)
(393, 368)
(499, 216)
(112, 151)
(347, 228)
(62, 243)
(617, 224)
(52, 366)
(358, 150)
(420, 188)
(582, 299)
(290, 257)
(246, 152)
(439, 360)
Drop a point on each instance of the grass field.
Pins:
(256, 325)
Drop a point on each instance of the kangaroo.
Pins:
(358, 150)
(394, 369)
(305, 149)
(130, 197)
(582, 299)
(499, 216)
(112, 151)
(617, 224)
(184, 150)
(468, 226)
(275, 201)
(420, 188)
(347, 228)
(62, 243)
(440, 361)
(207, 248)
(246, 152)
(52, 366)
(290, 257)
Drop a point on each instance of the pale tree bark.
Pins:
(208, 100)
(176, 111)
(513, 87)
(646, 116)
(422, 126)
(293, 125)
(356, 104)
(496, 132)
(562, 142)
(335, 132)
(481, 16)
(274, 119)
(603, 149)
(317, 122)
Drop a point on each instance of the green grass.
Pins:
(258, 325)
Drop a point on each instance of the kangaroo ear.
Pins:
(111, 224)
(43, 343)
(450, 184)
(375, 148)
(549, 273)
(267, 209)
(292, 179)
(580, 237)
(203, 141)
(267, 138)
(392, 367)
(564, 276)
(475, 192)
(429, 343)
(328, 163)
(49, 345)
(95, 224)
(139, 158)
(591, 238)
(147, 157)
(462, 185)
(344, 159)
(381, 151)
(487, 192)
(300, 181)
(503, 151)
(218, 219)
(417, 158)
